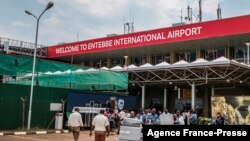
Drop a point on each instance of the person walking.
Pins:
(101, 126)
(121, 116)
(75, 123)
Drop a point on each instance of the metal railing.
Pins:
(22, 48)
(18, 43)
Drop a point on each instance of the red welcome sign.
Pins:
(216, 28)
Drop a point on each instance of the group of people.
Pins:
(224, 108)
(105, 120)
(151, 117)
(100, 124)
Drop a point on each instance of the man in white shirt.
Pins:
(179, 119)
(100, 124)
(122, 115)
(132, 116)
(75, 122)
(166, 118)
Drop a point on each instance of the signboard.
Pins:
(120, 104)
(90, 109)
(230, 26)
(234, 109)
(55, 106)
(97, 100)
(187, 94)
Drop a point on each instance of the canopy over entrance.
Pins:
(219, 72)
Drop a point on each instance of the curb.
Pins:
(34, 132)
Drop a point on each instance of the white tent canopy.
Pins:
(29, 74)
(145, 65)
(200, 71)
(116, 68)
(162, 64)
(221, 60)
(130, 67)
(67, 71)
(57, 72)
(200, 60)
(234, 61)
(182, 62)
(104, 68)
(91, 69)
(48, 73)
(79, 70)
(217, 72)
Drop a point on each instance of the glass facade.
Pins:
(211, 54)
(100, 63)
(214, 54)
(220, 53)
(117, 62)
(97, 64)
(139, 61)
(184, 56)
(240, 54)
(192, 56)
(161, 58)
(136, 61)
(143, 60)
(166, 57)
(158, 59)
(187, 56)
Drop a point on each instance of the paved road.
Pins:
(84, 136)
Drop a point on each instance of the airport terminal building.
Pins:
(175, 67)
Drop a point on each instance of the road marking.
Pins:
(28, 138)
(41, 132)
(20, 133)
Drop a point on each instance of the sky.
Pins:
(72, 20)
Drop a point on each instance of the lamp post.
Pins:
(126, 64)
(49, 5)
(248, 44)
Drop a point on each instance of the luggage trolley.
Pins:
(131, 130)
